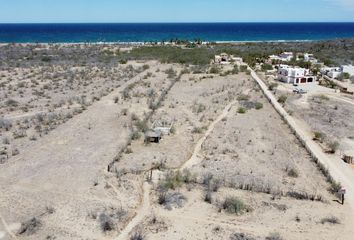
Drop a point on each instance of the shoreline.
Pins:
(133, 43)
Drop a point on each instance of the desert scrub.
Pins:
(234, 205)
(214, 70)
(243, 97)
(171, 73)
(173, 130)
(241, 110)
(333, 146)
(258, 105)
(199, 108)
(292, 172)
(241, 236)
(136, 136)
(274, 236)
(106, 223)
(137, 235)
(171, 181)
(174, 180)
(208, 197)
(243, 68)
(266, 67)
(198, 130)
(171, 199)
(30, 227)
(323, 97)
(331, 220)
(282, 99)
(273, 86)
(319, 136)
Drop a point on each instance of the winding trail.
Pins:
(144, 209)
(194, 159)
(142, 212)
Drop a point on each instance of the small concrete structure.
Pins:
(153, 135)
(163, 126)
(225, 58)
(348, 157)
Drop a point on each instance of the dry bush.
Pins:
(331, 220)
(30, 227)
(234, 205)
(304, 196)
(5, 124)
(137, 235)
(208, 197)
(240, 236)
(274, 236)
(171, 199)
(106, 223)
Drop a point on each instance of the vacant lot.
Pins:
(74, 163)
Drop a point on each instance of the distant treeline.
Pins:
(333, 52)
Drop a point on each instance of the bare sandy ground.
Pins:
(61, 179)
(61, 170)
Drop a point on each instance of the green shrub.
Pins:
(259, 105)
(243, 68)
(235, 206)
(243, 97)
(333, 146)
(319, 136)
(241, 110)
(323, 97)
(172, 181)
(198, 130)
(266, 67)
(214, 70)
(273, 86)
(335, 186)
(282, 99)
(293, 173)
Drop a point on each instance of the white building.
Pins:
(284, 57)
(295, 75)
(308, 57)
(348, 69)
(332, 72)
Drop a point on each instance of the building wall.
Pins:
(348, 69)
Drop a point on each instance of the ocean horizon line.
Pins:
(216, 22)
(164, 32)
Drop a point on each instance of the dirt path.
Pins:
(142, 212)
(340, 171)
(194, 159)
(145, 209)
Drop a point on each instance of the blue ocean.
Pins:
(147, 32)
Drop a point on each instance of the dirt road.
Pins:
(338, 169)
